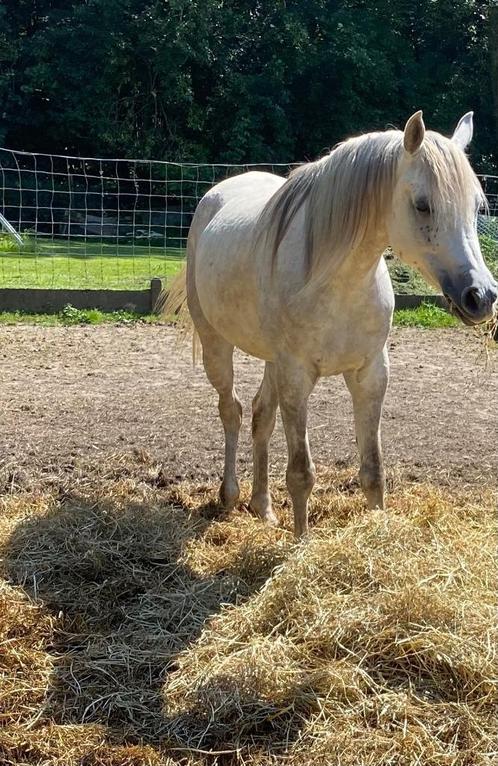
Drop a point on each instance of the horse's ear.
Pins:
(414, 133)
(464, 131)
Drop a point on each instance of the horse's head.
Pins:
(432, 227)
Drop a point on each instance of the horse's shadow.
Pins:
(115, 577)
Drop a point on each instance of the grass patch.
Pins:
(61, 264)
(489, 247)
(73, 316)
(426, 315)
(405, 280)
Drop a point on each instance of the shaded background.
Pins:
(244, 81)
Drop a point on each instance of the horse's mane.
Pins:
(347, 193)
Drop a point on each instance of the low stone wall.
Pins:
(34, 301)
(414, 301)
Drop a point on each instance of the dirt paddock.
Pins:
(140, 625)
(73, 392)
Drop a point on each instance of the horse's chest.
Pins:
(335, 357)
(341, 344)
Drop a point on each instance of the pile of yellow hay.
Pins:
(138, 625)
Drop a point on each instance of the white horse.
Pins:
(291, 271)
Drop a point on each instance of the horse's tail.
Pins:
(172, 306)
(172, 303)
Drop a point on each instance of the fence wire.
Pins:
(90, 222)
(487, 224)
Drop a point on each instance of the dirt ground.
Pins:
(68, 393)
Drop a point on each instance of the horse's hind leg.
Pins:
(264, 410)
(217, 358)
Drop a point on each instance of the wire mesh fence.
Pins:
(89, 222)
(487, 224)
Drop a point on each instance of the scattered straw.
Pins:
(487, 336)
(141, 625)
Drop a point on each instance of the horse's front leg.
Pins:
(295, 384)
(368, 387)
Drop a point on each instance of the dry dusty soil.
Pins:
(68, 393)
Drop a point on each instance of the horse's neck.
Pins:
(362, 262)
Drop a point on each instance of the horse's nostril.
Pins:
(471, 300)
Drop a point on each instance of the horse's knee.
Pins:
(230, 410)
(300, 475)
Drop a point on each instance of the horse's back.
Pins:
(244, 193)
(255, 184)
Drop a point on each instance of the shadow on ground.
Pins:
(111, 571)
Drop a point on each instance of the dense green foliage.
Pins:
(237, 80)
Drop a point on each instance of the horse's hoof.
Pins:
(261, 506)
(269, 519)
(229, 496)
(301, 532)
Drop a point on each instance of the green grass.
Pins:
(406, 281)
(60, 263)
(72, 316)
(489, 249)
(63, 264)
(425, 315)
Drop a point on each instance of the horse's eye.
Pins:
(422, 206)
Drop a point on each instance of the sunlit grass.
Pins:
(426, 315)
(73, 316)
(59, 263)
(62, 264)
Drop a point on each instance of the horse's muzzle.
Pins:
(475, 303)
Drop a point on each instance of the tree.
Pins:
(237, 80)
